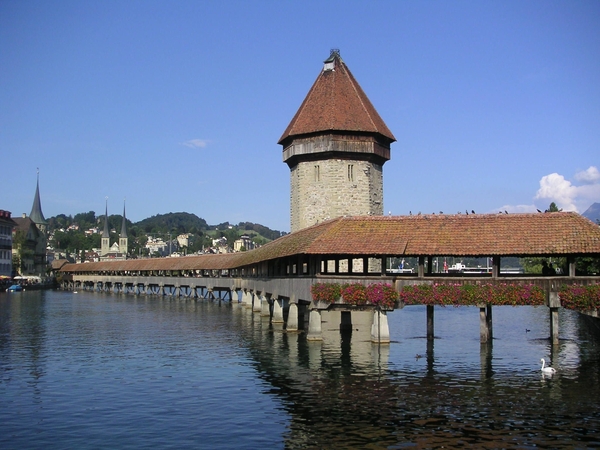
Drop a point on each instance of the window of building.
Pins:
(350, 172)
(317, 173)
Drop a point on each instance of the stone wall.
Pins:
(329, 188)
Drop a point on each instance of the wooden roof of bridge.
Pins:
(559, 233)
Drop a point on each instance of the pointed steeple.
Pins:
(123, 224)
(105, 240)
(123, 241)
(105, 233)
(36, 215)
(337, 103)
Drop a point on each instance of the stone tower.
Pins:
(123, 241)
(335, 147)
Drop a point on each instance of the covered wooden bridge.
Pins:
(360, 249)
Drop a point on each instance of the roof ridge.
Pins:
(359, 91)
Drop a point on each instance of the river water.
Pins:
(108, 371)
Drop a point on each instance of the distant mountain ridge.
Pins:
(593, 212)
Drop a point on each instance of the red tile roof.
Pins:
(448, 235)
(560, 233)
(336, 102)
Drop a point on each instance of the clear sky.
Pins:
(178, 105)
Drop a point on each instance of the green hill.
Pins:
(180, 222)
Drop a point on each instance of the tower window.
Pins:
(317, 173)
(350, 172)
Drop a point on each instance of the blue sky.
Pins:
(178, 105)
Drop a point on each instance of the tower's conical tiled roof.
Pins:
(36, 215)
(336, 102)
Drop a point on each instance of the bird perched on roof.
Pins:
(473, 211)
(538, 210)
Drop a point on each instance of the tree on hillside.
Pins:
(85, 220)
(172, 222)
(60, 221)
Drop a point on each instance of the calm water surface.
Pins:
(94, 371)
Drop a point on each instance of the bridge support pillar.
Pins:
(429, 322)
(265, 310)
(292, 322)
(380, 330)
(314, 326)
(256, 302)
(554, 304)
(488, 318)
(485, 323)
(247, 299)
(277, 310)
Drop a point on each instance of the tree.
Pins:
(534, 265)
(24, 252)
(553, 208)
(85, 220)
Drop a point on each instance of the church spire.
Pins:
(123, 241)
(36, 215)
(124, 223)
(105, 240)
(106, 234)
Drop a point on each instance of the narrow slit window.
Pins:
(350, 172)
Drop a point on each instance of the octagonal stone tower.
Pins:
(335, 147)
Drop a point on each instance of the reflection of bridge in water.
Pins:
(347, 390)
(275, 280)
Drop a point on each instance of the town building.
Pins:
(157, 246)
(335, 147)
(116, 251)
(30, 240)
(243, 243)
(6, 231)
(183, 240)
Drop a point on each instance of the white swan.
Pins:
(547, 369)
